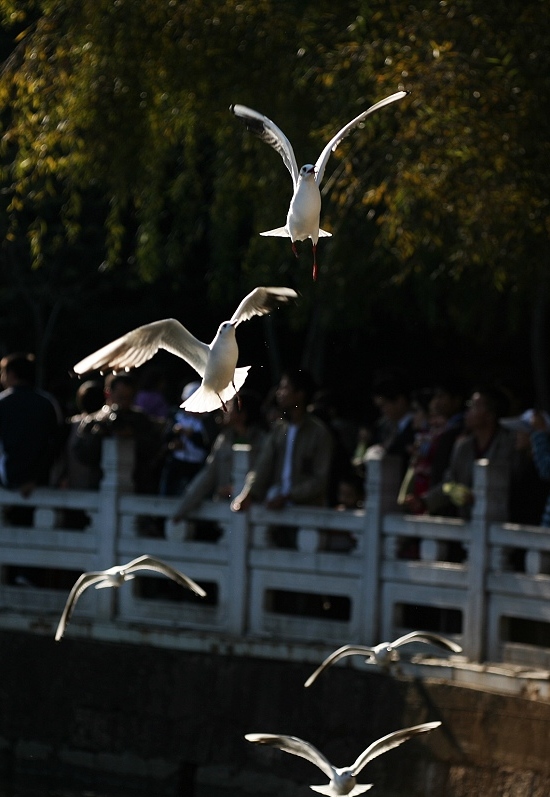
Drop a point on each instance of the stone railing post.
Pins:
(490, 506)
(117, 463)
(236, 533)
(381, 489)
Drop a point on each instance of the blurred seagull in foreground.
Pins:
(115, 577)
(216, 362)
(302, 220)
(342, 779)
(385, 653)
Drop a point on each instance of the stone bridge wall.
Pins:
(173, 722)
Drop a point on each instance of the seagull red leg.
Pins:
(294, 249)
(224, 405)
(239, 403)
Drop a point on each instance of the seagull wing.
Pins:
(83, 582)
(150, 563)
(346, 650)
(261, 301)
(388, 743)
(346, 130)
(429, 638)
(139, 345)
(291, 744)
(268, 131)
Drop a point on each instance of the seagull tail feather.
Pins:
(207, 400)
(328, 789)
(278, 232)
(324, 234)
(360, 788)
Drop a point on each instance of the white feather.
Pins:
(215, 363)
(118, 575)
(342, 779)
(303, 216)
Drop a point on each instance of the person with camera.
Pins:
(119, 417)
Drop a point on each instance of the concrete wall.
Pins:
(173, 722)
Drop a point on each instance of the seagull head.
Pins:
(385, 653)
(308, 170)
(226, 327)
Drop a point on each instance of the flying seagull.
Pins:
(342, 779)
(115, 577)
(385, 653)
(302, 220)
(215, 362)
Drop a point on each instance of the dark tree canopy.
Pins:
(118, 150)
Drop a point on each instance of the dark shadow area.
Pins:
(306, 604)
(39, 577)
(526, 632)
(150, 588)
(429, 618)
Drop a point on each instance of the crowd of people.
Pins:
(302, 450)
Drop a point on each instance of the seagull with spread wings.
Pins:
(302, 220)
(342, 779)
(216, 363)
(386, 653)
(118, 575)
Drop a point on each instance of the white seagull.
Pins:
(385, 653)
(342, 779)
(115, 577)
(216, 362)
(302, 220)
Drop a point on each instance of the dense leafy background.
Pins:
(129, 192)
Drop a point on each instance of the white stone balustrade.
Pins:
(303, 576)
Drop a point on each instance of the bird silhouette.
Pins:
(303, 216)
(342, 779)
(115, 577)
(385, 654)
(216, 363)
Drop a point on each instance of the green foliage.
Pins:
(440, 202)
